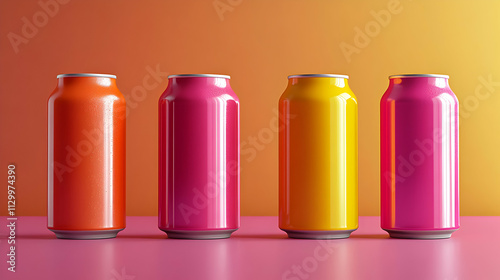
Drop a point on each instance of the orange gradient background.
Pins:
(258, 43)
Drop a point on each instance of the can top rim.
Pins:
(318, 76)
(86, 75)
(419, 76)
(199, 76)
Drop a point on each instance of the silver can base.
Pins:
(318, 234)
(86, 234)
(420, 234)
(199, 234)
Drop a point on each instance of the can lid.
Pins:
(319, 76)
(200, 75)
(419, 76)
(86, 75)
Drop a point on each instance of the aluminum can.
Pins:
(419, 157)
(199, 157)
(86, 157)
(318, 157)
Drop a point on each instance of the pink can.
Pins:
(419, 157)
(199, 157)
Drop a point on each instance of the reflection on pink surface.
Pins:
(259, 250)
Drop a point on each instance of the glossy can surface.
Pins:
(199, 155)
(86, 157)
(419, 157)
(318, 157)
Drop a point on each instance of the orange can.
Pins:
(86, 157)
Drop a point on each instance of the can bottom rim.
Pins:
(420, 234)
(86, 234)
(319, 234)
(199, 234)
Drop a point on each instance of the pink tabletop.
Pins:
(258, 250)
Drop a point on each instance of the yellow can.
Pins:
(318, 157)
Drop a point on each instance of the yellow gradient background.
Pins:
(258, 43)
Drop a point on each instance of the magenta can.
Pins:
(419, 157)
(199, 157)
